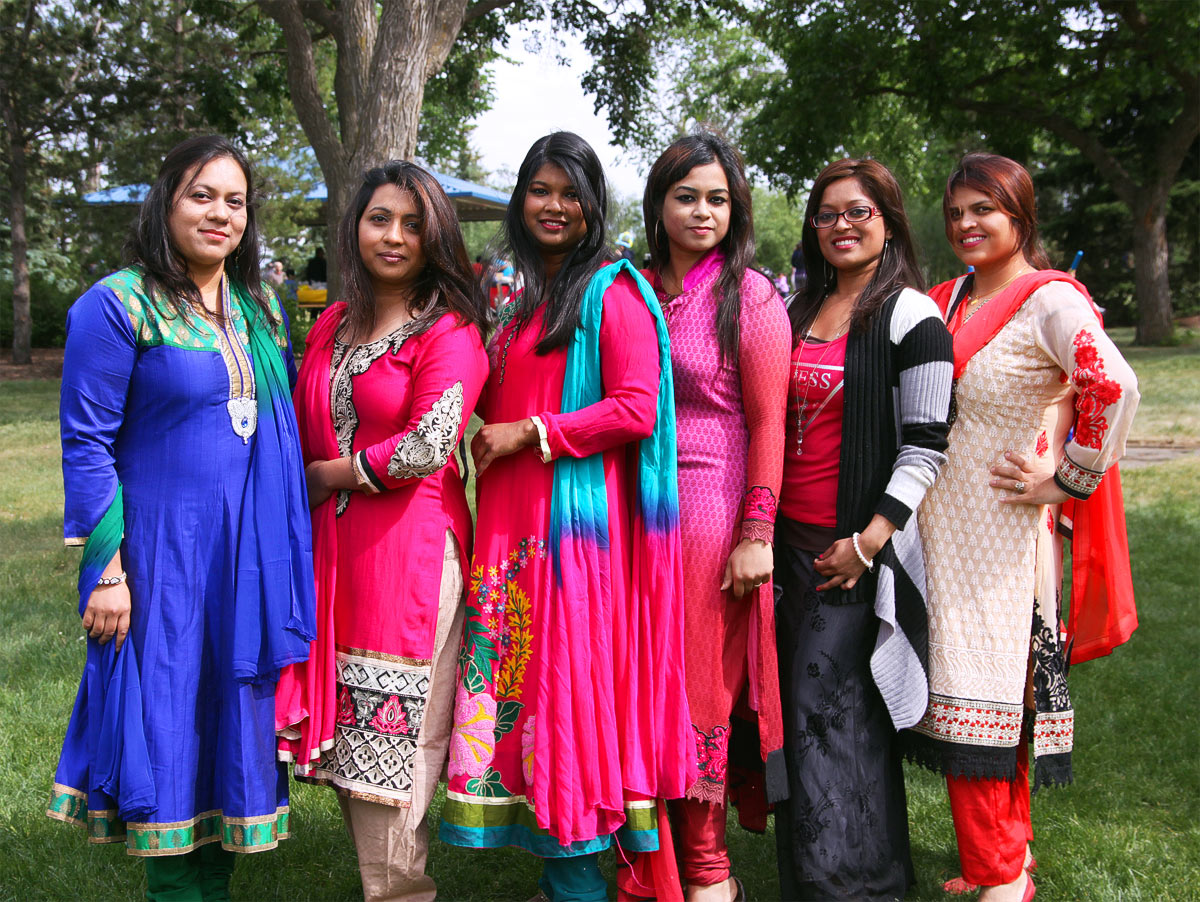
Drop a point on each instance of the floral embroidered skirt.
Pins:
(843, 834)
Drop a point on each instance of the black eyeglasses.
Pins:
(827, 219)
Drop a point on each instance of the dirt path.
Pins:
(47, 364)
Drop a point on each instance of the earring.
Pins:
(659, 225)
(887, 242)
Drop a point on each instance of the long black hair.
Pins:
(447, 281)
(564, 294)
(897, 265)
(166, 279)
(684, 155)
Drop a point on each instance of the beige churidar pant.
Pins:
(393, 842)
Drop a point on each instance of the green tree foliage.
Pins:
(1116, 82)
(391, 55)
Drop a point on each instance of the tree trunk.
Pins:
(1150, 257)
(22, 321)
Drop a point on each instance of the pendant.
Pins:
(243, 414)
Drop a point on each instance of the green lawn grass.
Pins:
(1169, 380)
(1127, 829)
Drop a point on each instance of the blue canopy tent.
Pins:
(474, 203)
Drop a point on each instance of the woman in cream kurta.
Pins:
(1043, 404)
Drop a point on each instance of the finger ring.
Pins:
(1020, 488)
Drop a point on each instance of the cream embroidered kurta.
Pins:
(992, 570)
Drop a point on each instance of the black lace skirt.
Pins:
(843, 833)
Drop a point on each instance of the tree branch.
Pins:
(481, 8)
(302, 83)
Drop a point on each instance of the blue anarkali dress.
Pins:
(171, 744)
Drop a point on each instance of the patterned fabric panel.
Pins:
(971, 722)
(236, 834)
(381, 705)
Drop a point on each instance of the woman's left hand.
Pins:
(840, 566)
(1024, 484)
(749, 566)
(500, 440)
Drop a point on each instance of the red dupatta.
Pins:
(305, 699)
(1102, 613)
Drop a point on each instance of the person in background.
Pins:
(275, 273)
(185, 485)
(729, 346)
(316, 271)
(571, 715)
(799, 273)
(866, 435)
(390, 376)
(1043, 404)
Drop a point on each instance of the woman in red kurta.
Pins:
(730, 343)
(388, 381)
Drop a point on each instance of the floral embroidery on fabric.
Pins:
(758, 514)
(427, 448)
(345, 713)
(712, 753)
(1043, 444)
(473, 742)
(380, 708)
(968, 722)
(1096, 392)
(760, 504)
(390, 718)
(499, 623)
(527, 746)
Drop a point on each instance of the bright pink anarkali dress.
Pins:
(496, 774)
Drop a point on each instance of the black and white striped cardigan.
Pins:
(894, 436)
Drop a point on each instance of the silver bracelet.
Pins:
(111, 580)
(870, 565)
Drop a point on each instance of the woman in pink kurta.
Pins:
(569, 717)
(730, 346)
(388, 380)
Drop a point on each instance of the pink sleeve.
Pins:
(629, 372)
(764, 354)
(449, 369)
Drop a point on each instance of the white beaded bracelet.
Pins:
(870, 565)
(111, 580)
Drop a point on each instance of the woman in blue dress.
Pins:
(184, 484)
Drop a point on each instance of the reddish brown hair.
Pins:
(1010, 187)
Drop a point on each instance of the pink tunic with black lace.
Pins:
(730, 418)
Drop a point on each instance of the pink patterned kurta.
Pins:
(730, 418)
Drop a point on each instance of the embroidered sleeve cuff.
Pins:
(543, 440)
(1078, 482)
(75, 541)
(758, 514)
(760, 530)
(365, 477)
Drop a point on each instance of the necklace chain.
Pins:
(974, 302)
(802, 422)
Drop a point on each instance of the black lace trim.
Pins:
(341, 394)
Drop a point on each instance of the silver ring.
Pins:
(1020, 488)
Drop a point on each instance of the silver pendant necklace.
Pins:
(242, 405)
